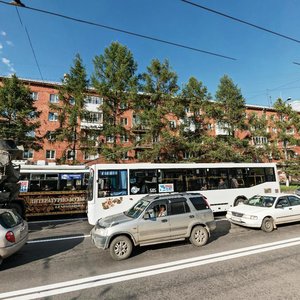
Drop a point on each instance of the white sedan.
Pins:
(266, 211)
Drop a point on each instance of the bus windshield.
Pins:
(137, 209)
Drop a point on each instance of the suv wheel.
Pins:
(120, 248)
(199, 236)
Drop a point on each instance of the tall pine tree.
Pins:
(18, 115)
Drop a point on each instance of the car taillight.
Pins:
(10, 236)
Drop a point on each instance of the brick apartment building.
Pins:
(45, 92)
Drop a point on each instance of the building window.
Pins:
(110, 139)
(187, 109)
(93, 117)
(52, 116)
(34, 96)
(71, 154)
(94, 100)
(172, 124)
(53, 98)
(28, 154)
(125, 156)
(72, 101)
(124, 139)
(30, 134)
(50, 154)
(51, 135)
(123, 106)
(124, 121)
(260, 140)
(88, 156)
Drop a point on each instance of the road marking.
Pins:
(58, 239)
(111, 278)
(57, 221)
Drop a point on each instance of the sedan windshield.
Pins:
(262, 201)
(137, 209)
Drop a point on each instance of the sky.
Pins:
(263, 67)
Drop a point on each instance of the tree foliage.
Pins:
(115, 80)
(18, 114)
(157, 108)
(71, 109)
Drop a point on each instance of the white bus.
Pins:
(52, 189)
(114, 188)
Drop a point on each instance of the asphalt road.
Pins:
(60, 262)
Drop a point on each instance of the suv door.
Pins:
(180, 217)
(156, 228)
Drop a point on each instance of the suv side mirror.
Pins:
(148, 214)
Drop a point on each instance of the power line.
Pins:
(122, 31)
(30, 43)
(241, 21)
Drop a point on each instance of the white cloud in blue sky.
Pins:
(7, 62)
(3, 33)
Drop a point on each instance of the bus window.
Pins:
(196, 179)
(270, 175)
(177, 177)
(237, 177)
(217, 178)
(143, 182)
(112, 183)
(256, 176)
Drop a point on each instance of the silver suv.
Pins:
(153, 220)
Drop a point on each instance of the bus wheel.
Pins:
(199, 236)
(239, 201)
(120, 248)
(267, 224)
(17, 208)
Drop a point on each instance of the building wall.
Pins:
(45, 89)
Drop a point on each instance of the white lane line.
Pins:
(58, 239)
(110, 278)
(57, 221)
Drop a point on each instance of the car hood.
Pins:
(113, 220)
(249, 209)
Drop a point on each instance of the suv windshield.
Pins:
(262, 201)
(137, 209)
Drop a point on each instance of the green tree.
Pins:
(228, 112)
(286, 122)
(18, 115)
(159, 110)
(115, 80)
(195, 125)
(259, 147)
(71, 109)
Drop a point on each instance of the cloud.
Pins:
(3, 33)
(7, 62)
(9, 43)
(1, 46)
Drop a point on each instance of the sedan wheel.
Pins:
(120, 248)
(267, 224)
(199, 236)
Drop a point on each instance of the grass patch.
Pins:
(288, 189)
